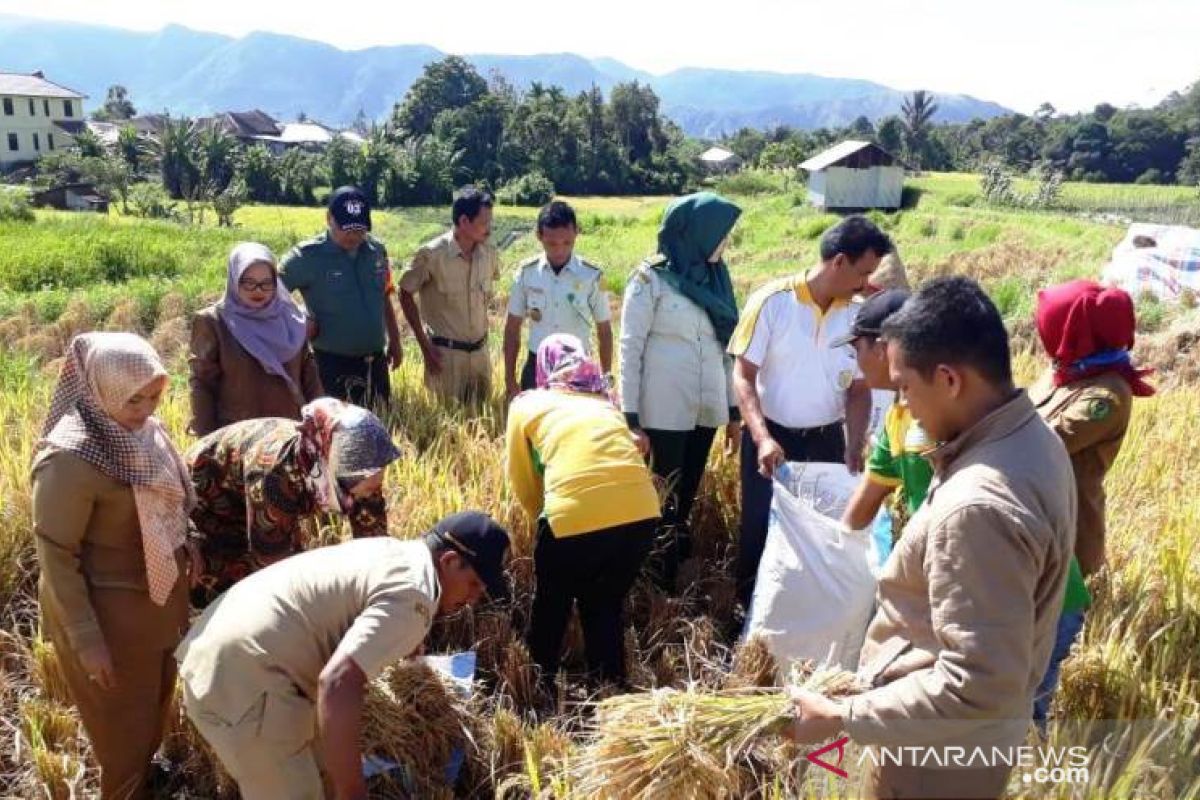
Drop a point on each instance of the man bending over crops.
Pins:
(275, 671)
(968, 601)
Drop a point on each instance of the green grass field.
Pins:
(120, 260)
(64, 273)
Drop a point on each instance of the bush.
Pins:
(14, 206)
(962, 199)
(1151, 177)
(748, 182)
(813, 227)
(884, 220)
(151, 201)
(910, 196)
(533, 189)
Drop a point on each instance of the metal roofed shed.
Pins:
(854, 176)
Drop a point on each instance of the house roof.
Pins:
(77, 187)
(149, 123)
(71, 126)
(106, 132)
(352, 137)
(717, 155)
(305, 133)
(844, 150)
(35, 85)
(251, 123)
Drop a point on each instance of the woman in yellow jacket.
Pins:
(574, 464)
(110, 504)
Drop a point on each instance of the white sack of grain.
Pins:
(815, 590)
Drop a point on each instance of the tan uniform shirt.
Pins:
(452, 292)
(1091, 416)
(89, 548)
(969, 601)
(572, 301)
(229, 385)
(274, 631)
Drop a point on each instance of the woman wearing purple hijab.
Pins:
(249, 353)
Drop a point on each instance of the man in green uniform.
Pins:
(344, 276)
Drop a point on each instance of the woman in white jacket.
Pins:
(678, 314)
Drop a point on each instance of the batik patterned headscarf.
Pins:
(345, 443)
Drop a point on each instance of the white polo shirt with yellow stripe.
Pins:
(802, 381)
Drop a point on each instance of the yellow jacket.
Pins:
(571, 457)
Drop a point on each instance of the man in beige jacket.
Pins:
(968, 602)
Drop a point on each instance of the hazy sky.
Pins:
(1072, 53)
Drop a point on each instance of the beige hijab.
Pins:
(101, 372)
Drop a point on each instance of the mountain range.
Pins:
(193, 72)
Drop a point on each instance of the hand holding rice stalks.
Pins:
(686, 744)
(413, 717)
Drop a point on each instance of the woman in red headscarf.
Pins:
(1087, 330)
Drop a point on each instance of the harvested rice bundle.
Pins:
(686, 744)
(753, 665)
(414, 717)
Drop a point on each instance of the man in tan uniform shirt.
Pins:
(445, 293)
(968, 602)
(275, 671)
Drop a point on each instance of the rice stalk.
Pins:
(413, 717)
(691, 744)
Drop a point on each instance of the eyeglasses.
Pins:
(260, 286)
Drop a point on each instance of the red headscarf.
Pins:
(1088, 329)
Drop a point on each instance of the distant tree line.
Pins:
(1160, 145)
(454, 126)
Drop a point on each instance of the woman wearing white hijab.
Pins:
(249, 353)
(111, 498)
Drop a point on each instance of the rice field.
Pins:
(1137, 660)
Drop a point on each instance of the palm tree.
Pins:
(131, 147)
(175, 149)
(88, 143)
(216, 157)
(917, 111)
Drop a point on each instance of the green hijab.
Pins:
(691, 229)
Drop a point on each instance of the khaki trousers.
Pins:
(465, 377)
(270, 751)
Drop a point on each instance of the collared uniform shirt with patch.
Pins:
(802, 381)
(371, 599)
(898, 458)
(572, 301)
(674, 374)
(344, 292)
(1091, 417)
(452, 292)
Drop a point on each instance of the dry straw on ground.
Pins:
(686, 744)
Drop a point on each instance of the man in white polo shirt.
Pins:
(800, 399)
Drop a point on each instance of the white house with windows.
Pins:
(37, 116)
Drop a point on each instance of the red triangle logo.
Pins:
(836, 769)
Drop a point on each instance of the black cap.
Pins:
(872, 314)
(350, 208)
(482, 543)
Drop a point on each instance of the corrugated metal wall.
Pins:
(840, 187)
